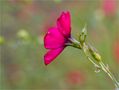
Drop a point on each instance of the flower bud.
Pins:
(94, 53)
(96, 56)
(83, 35)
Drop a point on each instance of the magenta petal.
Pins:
(64, 24)
(54, 39)
(51, 55)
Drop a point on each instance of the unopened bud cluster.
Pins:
(88, 49)
(83, 35)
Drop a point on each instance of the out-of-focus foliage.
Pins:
(22, 29)
(2, 40)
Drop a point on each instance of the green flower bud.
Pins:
(97, 56)
(2, 40)
(94, 53)
(83, 35)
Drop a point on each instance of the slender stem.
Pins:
(85, 50)
(100, 64)
(105, 69)
(73, 42)
(91, 61)
(108, 72)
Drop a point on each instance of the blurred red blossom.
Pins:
(75, 77)
(109, 7)
(116, 50)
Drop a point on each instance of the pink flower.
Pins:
(56, 38)
(109, 7)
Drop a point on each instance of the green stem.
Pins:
(105, 69)
(86, 52)
(108, 72)
(102, 66)
(97, 66)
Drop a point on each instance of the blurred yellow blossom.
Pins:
(23, 34)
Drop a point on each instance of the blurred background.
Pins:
(23, 24)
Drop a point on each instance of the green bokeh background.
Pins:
(23, 24)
